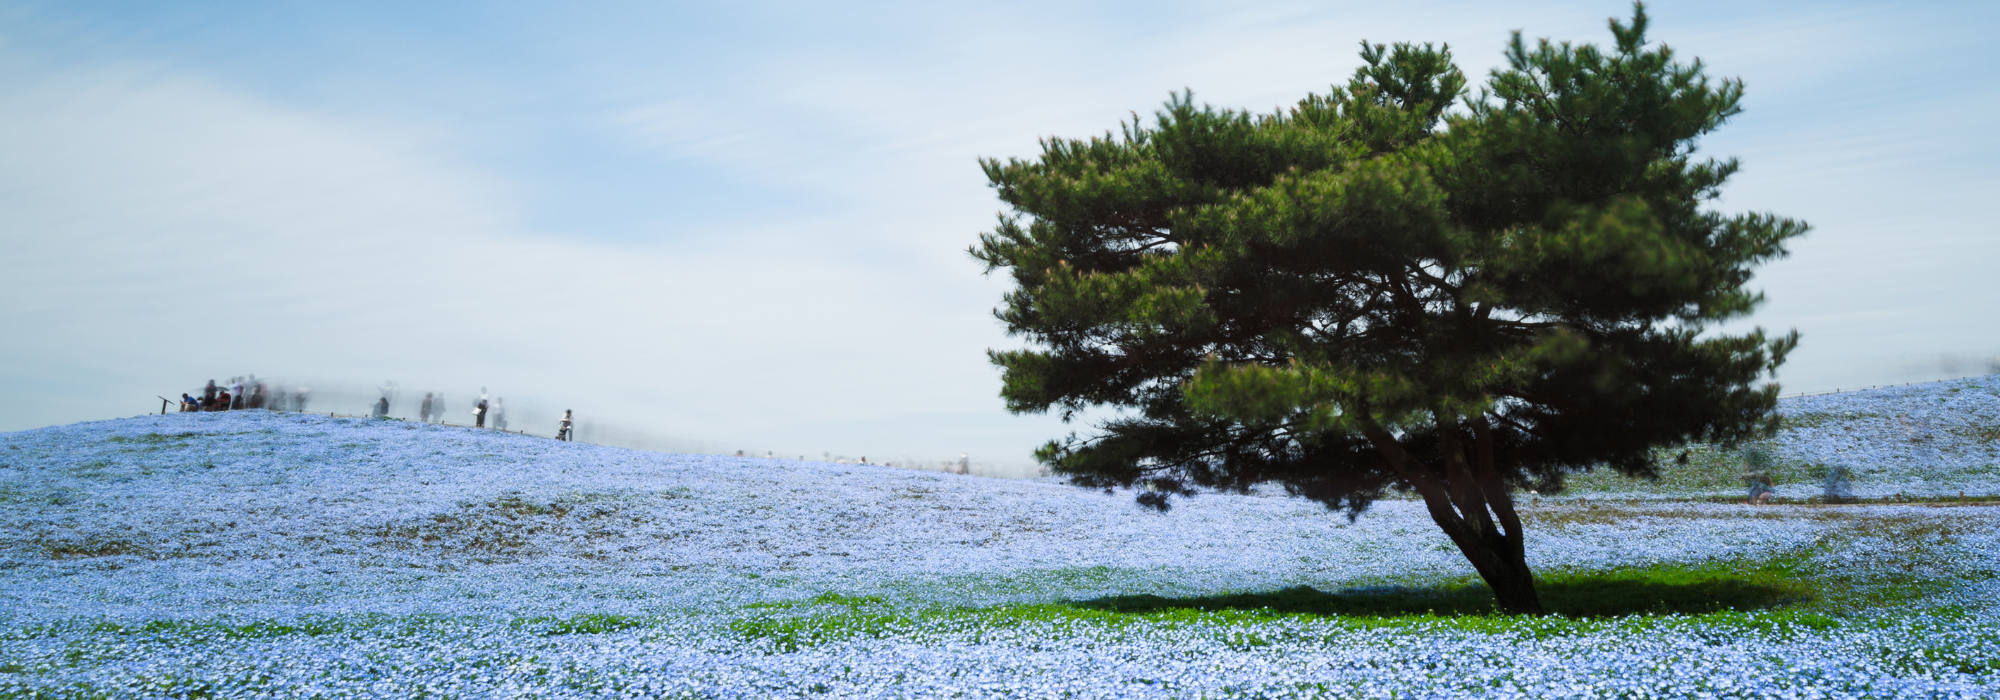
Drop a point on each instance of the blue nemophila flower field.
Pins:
(256, 554)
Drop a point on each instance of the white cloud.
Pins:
(167, 228)
(165, 224)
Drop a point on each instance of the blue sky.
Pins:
(742, 225)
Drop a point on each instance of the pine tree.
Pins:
(1395, 285)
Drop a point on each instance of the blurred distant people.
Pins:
(424, 411)
(479, 410)
(235, 393)
(208, 396)
(563, 428)
(299, 398)
(437, 408)
(382, 407)
(964, 463)
(221, 401)
(500, 414)
(1762, 489)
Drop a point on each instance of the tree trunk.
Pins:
(1472, 504)
(1499, 557)
(1514, 587)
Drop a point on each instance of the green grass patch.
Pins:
(1764, 596)
(819, 600)
(1659, 590)
(152, 438)
(590, 623)
(258, 629)
(1238, 627)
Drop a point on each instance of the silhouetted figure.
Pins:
(382, 407)
(299, 398)
(208, 395)
(500, 414)
(479, 410)
(563, 428)
(236, 393)
(1839, 488)
(424, 411)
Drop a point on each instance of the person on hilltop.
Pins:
(964, 464)
(479, 410)
(236, 394)
(424, 410)
(188, 403)
(382, 407)
(563, 428)
(499, 414)
(221, 401)
(208, 395)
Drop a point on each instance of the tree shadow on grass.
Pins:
(1573, 597)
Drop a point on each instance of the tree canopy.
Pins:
(1398, 284)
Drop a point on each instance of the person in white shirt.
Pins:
(500, 414)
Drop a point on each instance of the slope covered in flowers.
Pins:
(1922, 440)
(263, 554)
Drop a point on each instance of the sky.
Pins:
(723, 226)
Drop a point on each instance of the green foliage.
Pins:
(1395, 284)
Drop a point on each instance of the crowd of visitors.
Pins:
(249, 392)
(245, 392)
